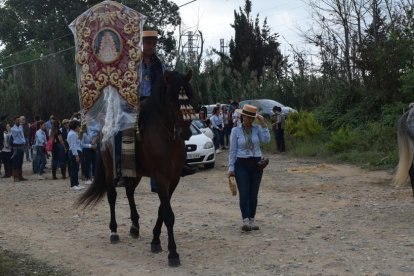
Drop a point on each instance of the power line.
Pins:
(34, 46)
(39, 58)
(187, 3)
(15, 53)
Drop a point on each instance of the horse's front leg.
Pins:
(156, 232)
(169, 220)
(411, 173)
(112, 225)
(130, 190)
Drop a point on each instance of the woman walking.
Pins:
(244, 155)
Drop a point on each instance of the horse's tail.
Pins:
(97, 189)
(405, 149)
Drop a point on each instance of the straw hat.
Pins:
(248, 110)
(150, 34)
(64, 121)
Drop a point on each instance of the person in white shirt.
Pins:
(75, 150)
(40, 143)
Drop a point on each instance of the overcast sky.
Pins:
(213, 18)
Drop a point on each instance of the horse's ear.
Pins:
(167, 76)
(189, 75)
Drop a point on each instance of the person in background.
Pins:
(244, 154)
(49, 124)
(26, 130)
(278, 127)
(65, 130)
(40, 144)
(235, 116)
(58, 151)
(88, 144)
(19, 143)
(2, 130)
(75, 151)
(32, 136)
(6, 152)
(227, 127)
(217, 127)
(202, 115)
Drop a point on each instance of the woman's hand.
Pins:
(261, 120)
(231, 174)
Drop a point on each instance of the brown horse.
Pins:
(160, 154)
(406, 149)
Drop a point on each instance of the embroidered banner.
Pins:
(108, 51)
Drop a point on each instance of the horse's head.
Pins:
(180, 95)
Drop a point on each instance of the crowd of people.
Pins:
(63, 144)
(223, 118)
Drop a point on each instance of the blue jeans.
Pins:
(248, 179)
(74, 169)
(89, 157)
(41, 159)
(17, 157)
(217, 138)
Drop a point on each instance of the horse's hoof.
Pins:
(156, 248)
(114, 238)
(134, 232)
(174, 262)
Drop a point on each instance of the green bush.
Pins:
(302, 126)
(342, 140)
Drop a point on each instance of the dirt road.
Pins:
(315, 219)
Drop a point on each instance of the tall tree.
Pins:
(254, 47)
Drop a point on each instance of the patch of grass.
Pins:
(374, 160)
(21, 265)
(369, 159)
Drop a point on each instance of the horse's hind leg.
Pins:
(130, 189)
(112, 225)
(411, 173)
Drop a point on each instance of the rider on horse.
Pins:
(150, 69)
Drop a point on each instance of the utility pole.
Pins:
(191, 47)
(222, 46)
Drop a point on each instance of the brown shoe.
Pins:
(21, 178)
(15, 176)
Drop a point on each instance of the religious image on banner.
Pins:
(108, 42)
(107, 46)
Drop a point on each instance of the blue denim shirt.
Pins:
(145, 87)
(238, 143)
(40, 138)
(87, 138)
(18, 135)
(216, 121)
